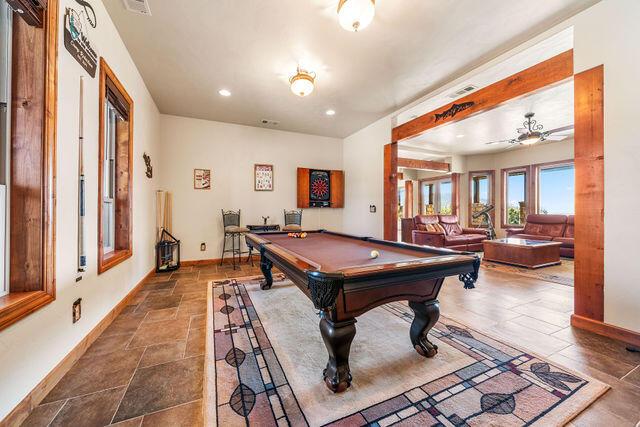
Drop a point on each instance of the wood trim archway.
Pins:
(589, 172)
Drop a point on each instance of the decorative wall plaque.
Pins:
(455, 109)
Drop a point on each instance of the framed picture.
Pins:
(202, 179)
(263, 177)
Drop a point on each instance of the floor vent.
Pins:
(137, 6)
(465, 90)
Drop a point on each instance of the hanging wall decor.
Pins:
(263, 177)
(202, 179)
(147, 162)
(76, 36)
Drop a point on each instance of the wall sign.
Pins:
(202, 179)
(76, 36)
(455, 109)
(263, 177)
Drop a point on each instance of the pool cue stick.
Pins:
(82, 258)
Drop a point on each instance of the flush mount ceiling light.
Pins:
(224, 92)
(330, 112)
(356, 15)
(302, 83)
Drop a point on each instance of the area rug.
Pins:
(561, 274)
(265, 358)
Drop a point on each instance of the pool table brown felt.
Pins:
(331, 252)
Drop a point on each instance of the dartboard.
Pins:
(319, 185)
(320, 189)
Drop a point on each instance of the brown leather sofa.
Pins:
(557, 228)
(444, 231)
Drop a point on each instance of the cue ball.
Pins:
(374, 254)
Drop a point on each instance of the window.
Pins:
(28, 88)
(438, 196)
(5, 138)
(446, 198)
(401, 200)
(555, 189)
(481, 196)
(115, 164)
(427, 191)
(516, 196)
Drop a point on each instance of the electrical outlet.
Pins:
(372, 208)
(203, 246)
(77, 310)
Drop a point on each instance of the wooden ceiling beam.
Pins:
(552, 71)
(423, 165)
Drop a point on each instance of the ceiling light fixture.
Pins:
(302, 83)
(460, 136)
(224, 92)
(330, 113)
(356, 15)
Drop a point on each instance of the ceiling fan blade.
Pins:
(561, 129)
(498, 142)
(556, 137)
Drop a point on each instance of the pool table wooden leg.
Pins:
(337, 338)
(265, 266)
(426, 316)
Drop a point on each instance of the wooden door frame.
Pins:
(589, 172)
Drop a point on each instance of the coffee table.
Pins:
(522, 252)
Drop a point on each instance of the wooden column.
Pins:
(390, 191)
(408, 199)
(589, 196)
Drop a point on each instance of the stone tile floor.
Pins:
(147, 367)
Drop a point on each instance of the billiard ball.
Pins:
(374, 254)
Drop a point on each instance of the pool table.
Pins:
(338, 274)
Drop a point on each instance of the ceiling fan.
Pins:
(532, 132)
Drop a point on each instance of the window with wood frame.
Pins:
(481, 196)
(439, 195)
(555, 188)
(115, 171)
(28, 78)
(516, 183)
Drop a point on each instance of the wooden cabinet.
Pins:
(335, 196)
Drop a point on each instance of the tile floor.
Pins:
(147, 367)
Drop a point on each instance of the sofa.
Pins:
(557, 228)
(444, 231)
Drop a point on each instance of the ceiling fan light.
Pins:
(356, 15)
(302, 84)
(530, 139)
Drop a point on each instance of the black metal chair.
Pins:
(232, 229)
(292, 220)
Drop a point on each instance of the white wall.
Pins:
(363, 162)
(231, 151)
(608, 33)
(30, 348)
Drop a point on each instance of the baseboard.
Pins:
(201, 262)
(20, 413)
(605, 329)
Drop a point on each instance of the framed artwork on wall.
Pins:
(202, 179)
(263, 177)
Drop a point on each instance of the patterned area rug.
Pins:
(265, 358)
(562, 274)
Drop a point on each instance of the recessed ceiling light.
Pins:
(330, 113)
(460, 136)
(224, 92)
